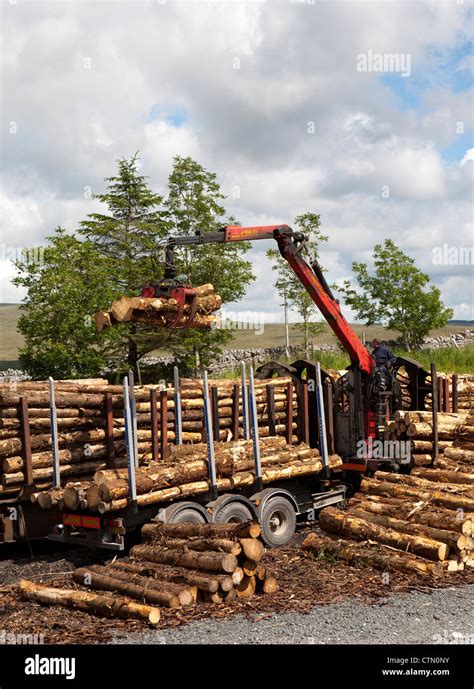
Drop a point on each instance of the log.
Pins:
(104, 606)
(333, 520)
(440, 476)
(462, 455)
(371, 555)
(187, 530)
(73, 493)
(452, 502)
(421, 513)
(202, 544)
(451, 538)
(186, 594)
(253, 549)
(269, 584)
(209, 561)
(178, 575)
(247, 587)
(424, 484)
(87, 576)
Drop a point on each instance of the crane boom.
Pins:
(290, 244)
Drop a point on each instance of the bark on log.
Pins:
(104, 606)
(371, 555)
(335, 521)
(436, 497)
(178, 575)
(440, 476)
(212, 562)
(451, 538)
(186, 594)
(86, 576)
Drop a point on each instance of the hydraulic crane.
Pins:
(360, 424)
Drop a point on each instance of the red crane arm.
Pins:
(289, 244)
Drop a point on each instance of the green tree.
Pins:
(398, 295)
(194, 202)
(65, 288)
(288, 284)
(127, 236)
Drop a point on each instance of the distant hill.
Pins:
(273, 335)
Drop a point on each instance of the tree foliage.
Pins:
(117, 253)
(397, 294)
(65, 289)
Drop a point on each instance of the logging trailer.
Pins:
(338, 416)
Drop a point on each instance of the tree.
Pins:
(398, 295)
(288, 284)
(65, 289)
(194, 202)
(128, 237)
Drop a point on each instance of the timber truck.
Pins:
(356, 406)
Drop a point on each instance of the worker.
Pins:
(384, 358)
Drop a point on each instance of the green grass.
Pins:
(447, 360)
(10, 339)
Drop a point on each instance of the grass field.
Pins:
(450, 359)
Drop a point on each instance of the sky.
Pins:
(359, 111)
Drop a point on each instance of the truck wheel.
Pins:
(277, 521)
(185, 512)
(235, 513)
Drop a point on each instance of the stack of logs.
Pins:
(176, 565)
(420, 523)
(185, 474)
(89, 436)
(416, 429)
(163, 311)
(460, 456)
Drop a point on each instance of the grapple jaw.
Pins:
(185, 297)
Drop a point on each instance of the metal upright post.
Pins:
(245, 402)
(133, 413)
(132, 486)
(323, 441)
(178, 425)
(254, 427)
(434, 411)
(54, 435)
(211, 460)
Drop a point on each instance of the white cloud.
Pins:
(88, 83)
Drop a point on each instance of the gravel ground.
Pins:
(442, 616)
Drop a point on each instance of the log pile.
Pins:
(85, 439)
(163, 311)
(176, 565)
(416, 429)
(420, 523)
(185, 474)
(460, 456)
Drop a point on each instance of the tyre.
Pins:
(185, 512)
(277, 521)
(234, 512)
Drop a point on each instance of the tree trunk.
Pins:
(333, 520)
(105, 606)
(213, 562)
(178, 575)
(373, 555)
